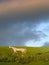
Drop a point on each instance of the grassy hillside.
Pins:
(33, 56)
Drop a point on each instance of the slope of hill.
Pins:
(33, 56)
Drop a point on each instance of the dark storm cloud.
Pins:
(19, 34)
(18, 21)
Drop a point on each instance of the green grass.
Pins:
(33, 63)
(5, 51)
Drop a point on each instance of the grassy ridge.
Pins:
(33, 56)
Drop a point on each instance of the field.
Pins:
(33, 63)
(33, 56)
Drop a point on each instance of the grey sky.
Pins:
(18, 24)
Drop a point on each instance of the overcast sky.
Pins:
(24, 22)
